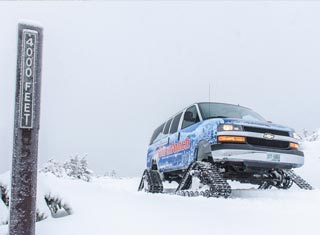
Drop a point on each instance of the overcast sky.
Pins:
(112, 72)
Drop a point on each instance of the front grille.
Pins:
(265, 130)
(268, 143)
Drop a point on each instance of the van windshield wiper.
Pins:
(216, 117)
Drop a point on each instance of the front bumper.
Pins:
(257, 156)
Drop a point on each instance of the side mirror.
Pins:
(188, 116)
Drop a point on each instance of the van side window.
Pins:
(175, 123)
(156, 134)
(166, 129)
(191, 117)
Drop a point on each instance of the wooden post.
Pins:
(26, 131)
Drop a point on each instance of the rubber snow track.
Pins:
(113, 206)
(209, 175)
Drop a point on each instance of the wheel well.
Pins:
(203, 151)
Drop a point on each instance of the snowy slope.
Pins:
(311, 169)
(113, 206)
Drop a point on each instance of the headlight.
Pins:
(295, 135)
(229, 127)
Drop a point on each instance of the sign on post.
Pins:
(26, 131)
(29, 42)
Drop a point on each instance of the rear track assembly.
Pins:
(287, 178)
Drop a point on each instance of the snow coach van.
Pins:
(206, 144)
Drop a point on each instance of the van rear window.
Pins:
(157, 134)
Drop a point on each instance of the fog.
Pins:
(112, 72)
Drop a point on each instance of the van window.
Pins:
(175, 123)
(217, 110)
(157, 134)
(190, 117)
(166, 129)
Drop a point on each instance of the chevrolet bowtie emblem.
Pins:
(268, 136)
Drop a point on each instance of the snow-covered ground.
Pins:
(113, 206)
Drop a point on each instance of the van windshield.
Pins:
(217, 110)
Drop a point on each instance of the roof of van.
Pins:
(201, 103)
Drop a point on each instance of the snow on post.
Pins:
(26, 130)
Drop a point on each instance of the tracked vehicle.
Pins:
(206, 144)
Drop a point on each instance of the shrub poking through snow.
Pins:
(112, 174)
(49, 201)
(54, 167)
(75, 168)
(4, 203)
(57, 206)
(4, 194)
(311, 137)
(40, 215)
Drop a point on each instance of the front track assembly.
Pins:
(210, 182)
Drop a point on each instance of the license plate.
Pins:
(273, 157)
